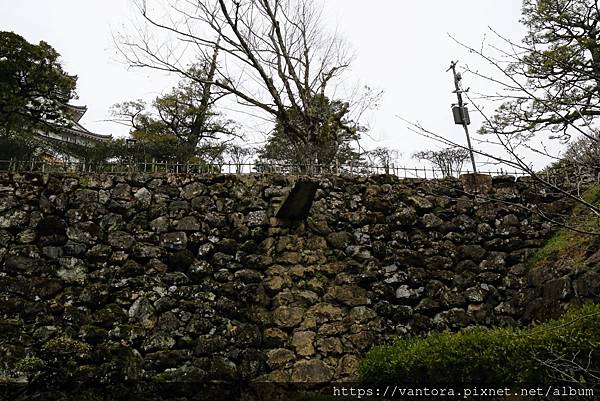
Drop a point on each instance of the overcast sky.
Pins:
(402, 47)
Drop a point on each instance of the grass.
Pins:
(568, 247)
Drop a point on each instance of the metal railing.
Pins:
(562, 178)
(44, 166)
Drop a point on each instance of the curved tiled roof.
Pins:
(78, 129)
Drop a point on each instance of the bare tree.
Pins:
(575, 369)
(240, 156)
(449, 160)
(275, 57)
(381, 157)
(584, 153)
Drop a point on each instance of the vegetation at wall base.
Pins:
(511, 356)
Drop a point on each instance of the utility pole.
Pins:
(461, 115)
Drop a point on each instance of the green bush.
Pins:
(30, 364)
(501, 355)
(67, 346)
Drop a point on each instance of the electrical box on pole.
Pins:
(461, 118)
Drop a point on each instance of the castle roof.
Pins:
(78, 129)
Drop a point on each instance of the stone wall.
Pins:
(190, 279)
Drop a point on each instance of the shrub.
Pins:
(67, 346)
(501, 355)
(30, 364)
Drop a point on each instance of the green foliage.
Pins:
(57, 360)
(556, 71)
(29, 365)
(501, 355)
(140, 151)
(11, 146)
(66, 346)
(121, 151)
(323, 136)
(592, 195)
(180, 125)
(555, 249)
(34, 89)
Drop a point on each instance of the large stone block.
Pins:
(312, 371)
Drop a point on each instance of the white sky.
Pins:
(402, 47)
